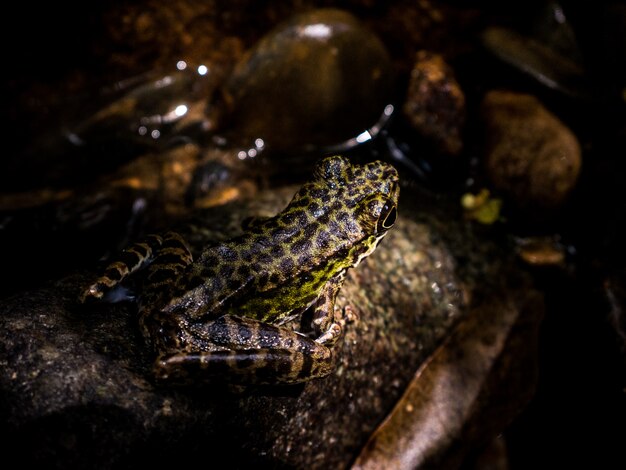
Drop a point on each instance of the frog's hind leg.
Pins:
(162, 253)
(169, 261)
(246, 351)
(127, 262)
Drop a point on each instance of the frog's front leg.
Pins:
(245, 351)
(327, 328)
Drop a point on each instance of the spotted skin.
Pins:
(221, 316)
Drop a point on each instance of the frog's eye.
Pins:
(387, 218)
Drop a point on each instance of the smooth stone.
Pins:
(531, 155)
(318, 79)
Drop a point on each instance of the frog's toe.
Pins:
(331, 335)
(92, 293)
(350, 314)
(102, 291)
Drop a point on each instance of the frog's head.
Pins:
(360, 203)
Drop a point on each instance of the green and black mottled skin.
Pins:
(220, 316)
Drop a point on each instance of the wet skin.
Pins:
(221, 316)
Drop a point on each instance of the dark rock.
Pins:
(538, 60)
(435, 103)
(318, 79)
(468, 380)
(531, 156)
(77, 391)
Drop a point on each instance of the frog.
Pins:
(227, 314)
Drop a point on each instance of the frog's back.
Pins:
(280, 265)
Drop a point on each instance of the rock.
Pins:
(435, 103)
(318, 79)
(537, 60)
(426, 427)
(76, 388)
(541, 251)
(530, 156)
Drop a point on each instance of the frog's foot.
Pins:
(155, 250)
(127, 262)
(335, 330)
(246, 351)
(112, 276)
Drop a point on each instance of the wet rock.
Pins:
(130, 118)
(57, 81)
(316, 80)
(76, 388)
(531, 156)
(453, 388)
(541, 251)
(536, 60)
(435, 103)
(549, 52)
